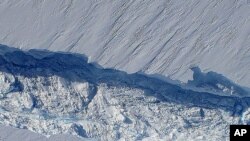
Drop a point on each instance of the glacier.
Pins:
(123, 69)
(55, 93)
(163, 37)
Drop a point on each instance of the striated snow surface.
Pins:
(59, 93)
(153, 36)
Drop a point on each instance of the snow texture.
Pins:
(55, 93)
(13, 134)
(163, 37)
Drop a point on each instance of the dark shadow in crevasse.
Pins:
(46, 63)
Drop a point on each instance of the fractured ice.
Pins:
(62, 93)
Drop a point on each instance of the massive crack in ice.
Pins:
(152, 36)
(53, 93)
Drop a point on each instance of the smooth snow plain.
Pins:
(54, 93)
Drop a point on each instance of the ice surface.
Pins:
(154, 36)
(61, 93)
(13, 134)
(155, 43)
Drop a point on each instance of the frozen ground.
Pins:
(153, 36)
(55, 93)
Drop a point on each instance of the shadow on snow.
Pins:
(75, 67)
